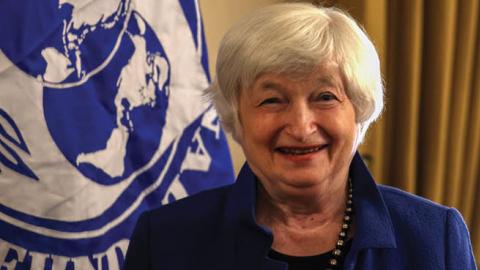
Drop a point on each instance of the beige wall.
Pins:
(218, 17)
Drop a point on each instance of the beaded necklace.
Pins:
(338, 253)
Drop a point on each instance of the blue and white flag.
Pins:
(101, 118)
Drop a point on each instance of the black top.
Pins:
(309, 262)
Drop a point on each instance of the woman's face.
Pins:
(298, 133)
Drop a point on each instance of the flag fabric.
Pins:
(101, 118)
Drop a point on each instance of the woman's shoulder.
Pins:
(395, 197)
(406, 207)
(185, 223)
(428, 228)
(167, 234)
(193, 208)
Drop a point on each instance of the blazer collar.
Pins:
(374, 228)
(242, 200)
(252, 241)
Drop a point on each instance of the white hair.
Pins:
(294, 38)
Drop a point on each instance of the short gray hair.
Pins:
(294, 38)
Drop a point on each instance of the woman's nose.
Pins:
(301, 122)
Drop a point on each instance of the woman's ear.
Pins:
(237, 131)
(359, 136)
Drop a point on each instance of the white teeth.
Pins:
(299, 151)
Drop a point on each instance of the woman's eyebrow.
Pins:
(271, 85)
(327, 80)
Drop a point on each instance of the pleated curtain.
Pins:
(428, 139)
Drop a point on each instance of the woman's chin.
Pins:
(304, 179)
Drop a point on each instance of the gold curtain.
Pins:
(428, 140)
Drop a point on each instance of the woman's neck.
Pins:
(303, 225)
(304, 211)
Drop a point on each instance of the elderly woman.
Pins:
(298, 86)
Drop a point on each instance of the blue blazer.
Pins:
(216, 229)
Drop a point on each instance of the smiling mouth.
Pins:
(300, 150)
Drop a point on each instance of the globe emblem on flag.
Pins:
(133, 99)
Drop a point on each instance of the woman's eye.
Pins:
(326, 96)
(270, 101)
